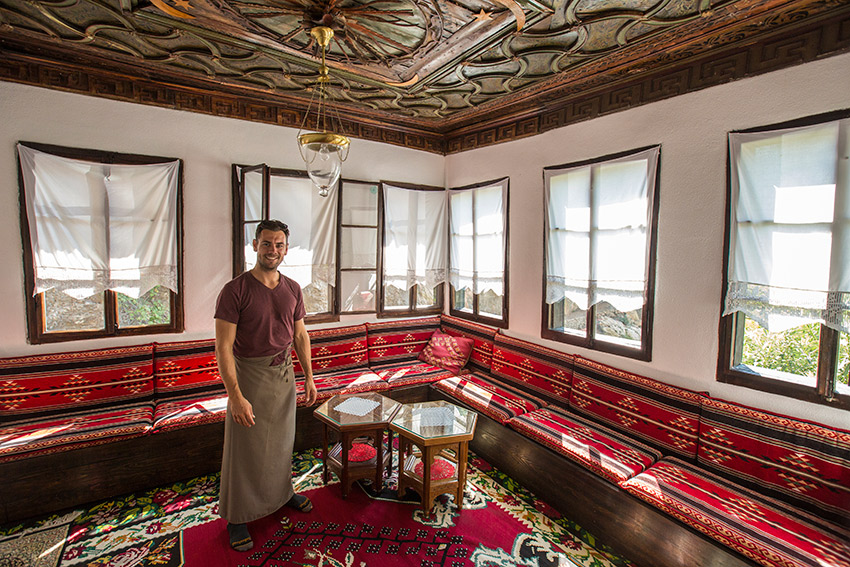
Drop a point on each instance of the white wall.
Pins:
(208, 146)
(692, 132)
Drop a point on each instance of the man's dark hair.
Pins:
(274, 225)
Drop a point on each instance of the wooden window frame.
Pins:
(731, 327)
(590, 341)
(378, 251)
(476, 316)
(36, 333)
(412, 310)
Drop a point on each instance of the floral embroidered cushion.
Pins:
(448, 352)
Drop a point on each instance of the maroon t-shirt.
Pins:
(264, 318)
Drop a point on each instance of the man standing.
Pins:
(259, 316)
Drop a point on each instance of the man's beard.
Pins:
(268, 264)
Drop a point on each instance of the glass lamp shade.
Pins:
(323, 155)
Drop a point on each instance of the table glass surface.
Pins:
(431, 420)
(357, 409)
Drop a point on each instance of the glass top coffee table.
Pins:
(426, 430)
(359, 421)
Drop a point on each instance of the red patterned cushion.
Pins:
(768, 531)
(495, 399)
(660, 415)
(545, 372)
(329, 385)
(186, 368)
(361, 452)
(482, 352)
(399, 341)
(799, 462)
(446, 351)
(335, 350)
(176, 414)
(410, 373)
(52, 384)
(602, 450)
(441, 469)
(29, 438)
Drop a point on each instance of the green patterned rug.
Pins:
(147, 528)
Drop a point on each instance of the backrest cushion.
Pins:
(482, 351)
(399, 341)
(447, 352)
(335, 350)
(663, 416)
(545, 372)
(47, 384)
(803, 463)
(185, 368)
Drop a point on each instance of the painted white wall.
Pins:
(692, 132)
(208, 146)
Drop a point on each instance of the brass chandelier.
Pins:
(324, 150)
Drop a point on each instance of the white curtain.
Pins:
(312, 229)
(789, 259)
(477, 238)
(95, 226)
(598, 218)
(415, 237)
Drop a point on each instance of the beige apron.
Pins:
(256, 468)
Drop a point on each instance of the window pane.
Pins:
(316, 298)
(790, 355)
(64, 313)
(250, 255)
(359, 248)
(153, 308)
(568, 318)
(618, 327)
(253, 195)
(490, 304)
(842, 379)
(425, 297)
(358, 291)
(395, 297)
(462, 299)
(360, 204)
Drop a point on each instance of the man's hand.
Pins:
(242, 410)
(310, 391)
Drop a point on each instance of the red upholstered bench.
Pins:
(492, 397)
(481, 335)
(187, 385)
(57, 402)
(394, 349)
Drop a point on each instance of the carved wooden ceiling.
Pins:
(439, 75)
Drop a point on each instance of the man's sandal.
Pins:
(300, 502)
(240, 539)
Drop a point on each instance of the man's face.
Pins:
(270, 247)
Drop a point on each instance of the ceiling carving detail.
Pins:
(437, 71)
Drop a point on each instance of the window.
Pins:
(262, 193)
(600, 231)
(414, 249)
(358, 247)
(478, 252)
(101, 236)
(786, 315)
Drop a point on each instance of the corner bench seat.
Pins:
(768, 531)
(609, 454)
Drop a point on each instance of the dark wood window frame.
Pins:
(378, 251)
(412, 310)
(590, 342)
(731, 327)
(476, 316)
(36, 333)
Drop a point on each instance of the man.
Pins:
(259, 316)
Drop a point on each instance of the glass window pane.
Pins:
(842, 378)
(396, 298)
(359, 248)
(64, 313)
(360, 203)
(568, 318)
(425, 297)
(489, 303)
(618, 327)
(790, 355)
(358, 291)
(317, 298)
(153, 308)
(462, 299)
(250, 255)
(253, 195)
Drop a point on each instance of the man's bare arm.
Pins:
(301, 341)
(240, 408)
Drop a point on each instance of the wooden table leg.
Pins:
(324, 453)
(462, 450)
(427, 461)
(346, 442)
(379, 461)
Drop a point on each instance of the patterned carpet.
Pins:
(179, 526)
